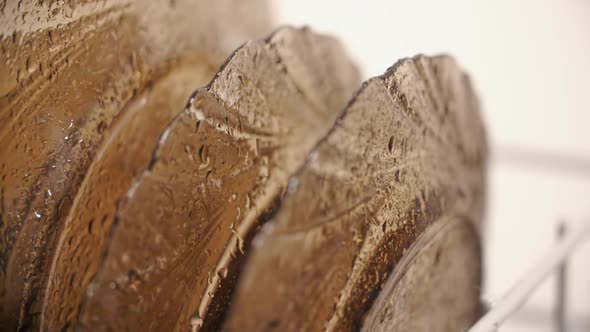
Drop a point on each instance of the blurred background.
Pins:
(530, 63)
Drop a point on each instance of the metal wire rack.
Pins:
(555, 260)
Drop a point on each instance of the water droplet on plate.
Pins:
(197, 112)
(390, 144)
(31, 66)
(20, 77)
(292, 186)
(189, 153)
(222, 272)
(91, 290)
(313, 156)
(196, 323)
(203, 153)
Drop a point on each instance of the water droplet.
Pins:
(198, 113)
(293, 183)
(241, 245)
(133, 278)
(20, 77)
(38, 215)
(390, 144)
(101, 127)
(240, 240)
(189, 153)
(31, 65)
(203, 153)
(313, 156)
(196, 323)
(49, 192)
(91, 290)
(222, 272)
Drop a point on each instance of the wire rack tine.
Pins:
(560, 319)
(521, 291)
(550, 161)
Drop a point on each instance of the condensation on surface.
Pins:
(68, 69)
(441, 270)
(408, 150)
(125, 152)
(117, 201)
(215, 175)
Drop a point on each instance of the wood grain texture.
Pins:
(407, 152)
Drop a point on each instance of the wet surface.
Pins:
(408, 150)
(435, 286)
(128, 201)
(126, 152)
(68, 69)
(217, 169)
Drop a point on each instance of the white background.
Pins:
(530, 63)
